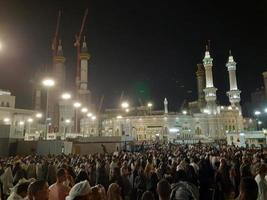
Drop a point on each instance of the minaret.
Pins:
(59, 76)
(200, 73)
(233, 93)
(210, 90)
(165, 106)
(264, 74)
(84, 92)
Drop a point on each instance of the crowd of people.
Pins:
(162, 172)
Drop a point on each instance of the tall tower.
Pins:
(234, 92)
(84, 92)
(265, 83)
(200, 73)
(165, 106)
(210, 90)
(59, 76)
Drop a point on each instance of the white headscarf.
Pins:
(80, 189)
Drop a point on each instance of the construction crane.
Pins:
(77, 44)
(55, 39)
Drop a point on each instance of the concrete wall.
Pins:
(91, 148)
(26, 147)
(53, 147)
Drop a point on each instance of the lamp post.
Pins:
(66, 96)
(76, 105)
(67, 121)
(149, 105)
(47, 83)
(30, 120)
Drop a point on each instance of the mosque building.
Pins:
(204, 120)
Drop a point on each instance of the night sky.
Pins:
(148, 50)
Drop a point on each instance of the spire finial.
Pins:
(84, 38)
(230, 52)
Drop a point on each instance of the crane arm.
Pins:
(55, 40)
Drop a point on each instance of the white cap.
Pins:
(80, 189)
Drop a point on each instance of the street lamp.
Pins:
(39, 115)
(30, 120)
(76, 106)
(149, 105)
(67, 121)
(84, 110)
(6, 120)
(184, 112)
(66, 96)
(257, 113)
(125, 105)
(89, 114)
(93, 118)
(47, 83)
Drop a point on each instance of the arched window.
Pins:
(2, 104)
(7, 104)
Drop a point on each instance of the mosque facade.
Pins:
(203, 120)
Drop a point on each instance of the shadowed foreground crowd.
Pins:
(163, 172)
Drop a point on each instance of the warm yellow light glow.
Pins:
(39, 115)
(89, 115)
(66, 96)
(125, 104)
(77, 104)
(6, 120)
(48, 82)
(149, 105)
(84, 110)
(30, 120)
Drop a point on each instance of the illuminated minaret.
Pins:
(59, 76)
(84, 92)
(200, 73)
(210, 90)
(234, 92)
(165, 106)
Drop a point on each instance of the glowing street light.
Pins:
(127, 110)
(47, 83)
(39, 115)
(257, 113)
(119, 117)
(184, 112)
(67, 121)
(84, 110)
(93, 117)
(77, 105)
(66, 96)
(30, 120)
(149, 105)
(21, 123)
(89, 114)
(125, 105)
(259, 122)
(6, 120)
